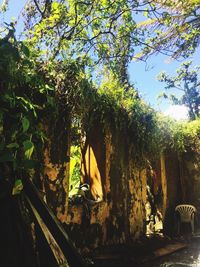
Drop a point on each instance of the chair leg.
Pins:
(192, 226)
(178, 228)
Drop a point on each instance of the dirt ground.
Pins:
(157, 251)
(140, 254)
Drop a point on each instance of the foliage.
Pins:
(186, 136)
(106, 32)
(173, 28)
(24, 97)
(119, 111)
(94, 32)
(33, 90)
(180, 137)
(144, 128)
(47, 73)
(4, 6)
(187, 82)
(75, 168)
(147, 132)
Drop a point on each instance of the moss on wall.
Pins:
(115, 179)
(56, 164)
(120, 215)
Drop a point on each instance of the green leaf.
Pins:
(18, 186)
(25, 50)
(25, 124)
(12, 145)
(163, 95)
(50, 101)
(28, 148)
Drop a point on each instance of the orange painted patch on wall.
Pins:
(90, 169)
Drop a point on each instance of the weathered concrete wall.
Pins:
(180, 179)
(191, 178)
(56, 161)
(120, 187)
(172, 190)
(155, 197)
(137, 201)
(164, 185)
(120, 217)
(93, 163)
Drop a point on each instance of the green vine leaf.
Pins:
(12, 145)
(25, 124)
(25, 50)
(18, 186)
(28, 148)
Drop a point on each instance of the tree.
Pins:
(93, 32)
(106, 32)
(172, 28)
(188, 83)
(3, 6)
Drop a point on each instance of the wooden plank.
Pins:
(168, 249)
(55, 248)
(69, 250)
(107, 257)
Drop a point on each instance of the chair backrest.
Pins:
(186, 212)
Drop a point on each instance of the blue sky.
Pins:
(143, 75)
(14, 9)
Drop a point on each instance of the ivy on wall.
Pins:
(32, 88)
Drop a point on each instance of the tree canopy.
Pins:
(171, 27)
(188, 83)
(48, 70)
(94, 32)
(108, 33)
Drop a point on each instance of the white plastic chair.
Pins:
(187, 214)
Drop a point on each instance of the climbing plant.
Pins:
(35, 82)
(25, 96)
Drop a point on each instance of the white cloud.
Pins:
(177, 112)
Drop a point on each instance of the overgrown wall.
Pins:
(55, 178)
(172, 193)
(120, 217)
(117, 185)
(191, 178)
